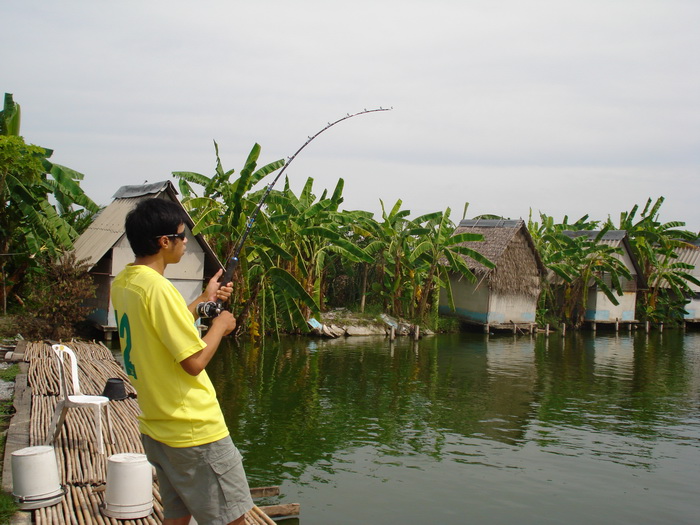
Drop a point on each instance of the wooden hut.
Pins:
(503, 297)
(105, 246)
(599, 308)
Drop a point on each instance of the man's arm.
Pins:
(221, 326)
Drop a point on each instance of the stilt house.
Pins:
(105, 246)
(599, 309)
(690, 254)
(503, 297)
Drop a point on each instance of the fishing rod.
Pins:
(213, 308)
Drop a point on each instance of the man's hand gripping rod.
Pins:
(214, 308)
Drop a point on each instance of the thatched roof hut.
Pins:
(506, 294)
(507, 244)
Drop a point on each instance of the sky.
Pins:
(567, 108)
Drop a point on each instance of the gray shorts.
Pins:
(207, 481)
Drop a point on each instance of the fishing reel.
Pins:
(209, 309)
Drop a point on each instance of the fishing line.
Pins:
(213, 308)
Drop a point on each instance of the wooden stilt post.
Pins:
(563, 328)
(416, 332)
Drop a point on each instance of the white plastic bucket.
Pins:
(35, 481)
(129, 491)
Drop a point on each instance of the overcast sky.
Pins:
(561, 107)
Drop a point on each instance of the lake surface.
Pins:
(469, 429)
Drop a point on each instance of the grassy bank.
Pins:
(7, 504)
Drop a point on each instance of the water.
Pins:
(464, 429)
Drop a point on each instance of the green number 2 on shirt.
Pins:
(125, 335)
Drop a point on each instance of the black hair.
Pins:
(150, 219)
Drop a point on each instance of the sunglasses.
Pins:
(180, 235)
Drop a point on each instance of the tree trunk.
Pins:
(363, 295)
(240, 320)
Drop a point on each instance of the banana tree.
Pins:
(306, 235)
(31, 227)
(583, 261)
(389, 244)
(220, 212)
(655, 244)
(442, 253)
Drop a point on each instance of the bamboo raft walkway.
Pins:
(82, 469)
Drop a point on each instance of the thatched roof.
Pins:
(508, 244)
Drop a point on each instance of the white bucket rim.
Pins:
(41, 500)
(127, 458)
(126, 511)
(45, 495)
(33, 451)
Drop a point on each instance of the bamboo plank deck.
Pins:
(82, 469)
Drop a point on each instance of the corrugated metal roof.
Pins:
(612, 237)
(689, 254)
(616, 239)
(104, 232)
(127, 192)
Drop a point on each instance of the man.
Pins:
(184, 434)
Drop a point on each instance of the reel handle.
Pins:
(210, 309)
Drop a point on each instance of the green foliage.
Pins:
(304, 253)
(656, 245)
(56, 301)
(8, 506)
(437, 253)
(10, 117)
(579, 261)
(9, 373)
(31, 227)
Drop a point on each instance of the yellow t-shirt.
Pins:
(156, 332)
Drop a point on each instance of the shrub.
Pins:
(56, 299)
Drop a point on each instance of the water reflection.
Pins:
(299, 401)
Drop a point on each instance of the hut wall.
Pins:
(121, 256)
(692, 308)
(600, 308)
(471, 300)
(101, 303)
(508, 308)
(627, 260)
